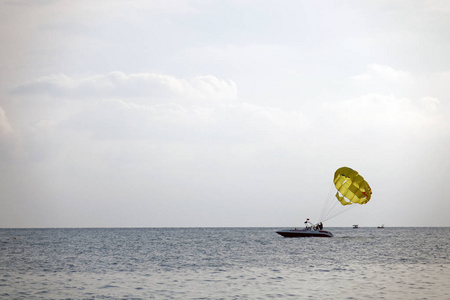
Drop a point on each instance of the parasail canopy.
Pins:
(351, 187)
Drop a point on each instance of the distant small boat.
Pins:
(382, 226)
(305, 232)
(356, 226)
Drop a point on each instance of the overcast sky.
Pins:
(222, 113)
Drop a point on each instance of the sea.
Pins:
(224, 263)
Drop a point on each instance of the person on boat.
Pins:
(320, 226)
(309, 225)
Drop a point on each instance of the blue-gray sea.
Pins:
(224, 263)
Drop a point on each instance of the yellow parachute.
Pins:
(352, 188)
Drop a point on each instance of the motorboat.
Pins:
(382, 226)
(356, 226)
(305, 232)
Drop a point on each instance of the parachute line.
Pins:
(341, 212)
(327, 204)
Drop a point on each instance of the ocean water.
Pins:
(224, 263)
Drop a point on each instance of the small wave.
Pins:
(107, 286)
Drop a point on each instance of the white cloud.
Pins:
(381, 72)
(223, 123)
(390, 116)
(386, 80)
(149, 86)
(434, 84)
(430, 104)
(5, 126)
(155, 106)
(8, 138)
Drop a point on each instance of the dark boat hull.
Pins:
(291, 233)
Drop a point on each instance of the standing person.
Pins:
(307, 224)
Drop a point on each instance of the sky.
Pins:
(222, 113)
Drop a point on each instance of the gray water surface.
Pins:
(224, 263)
